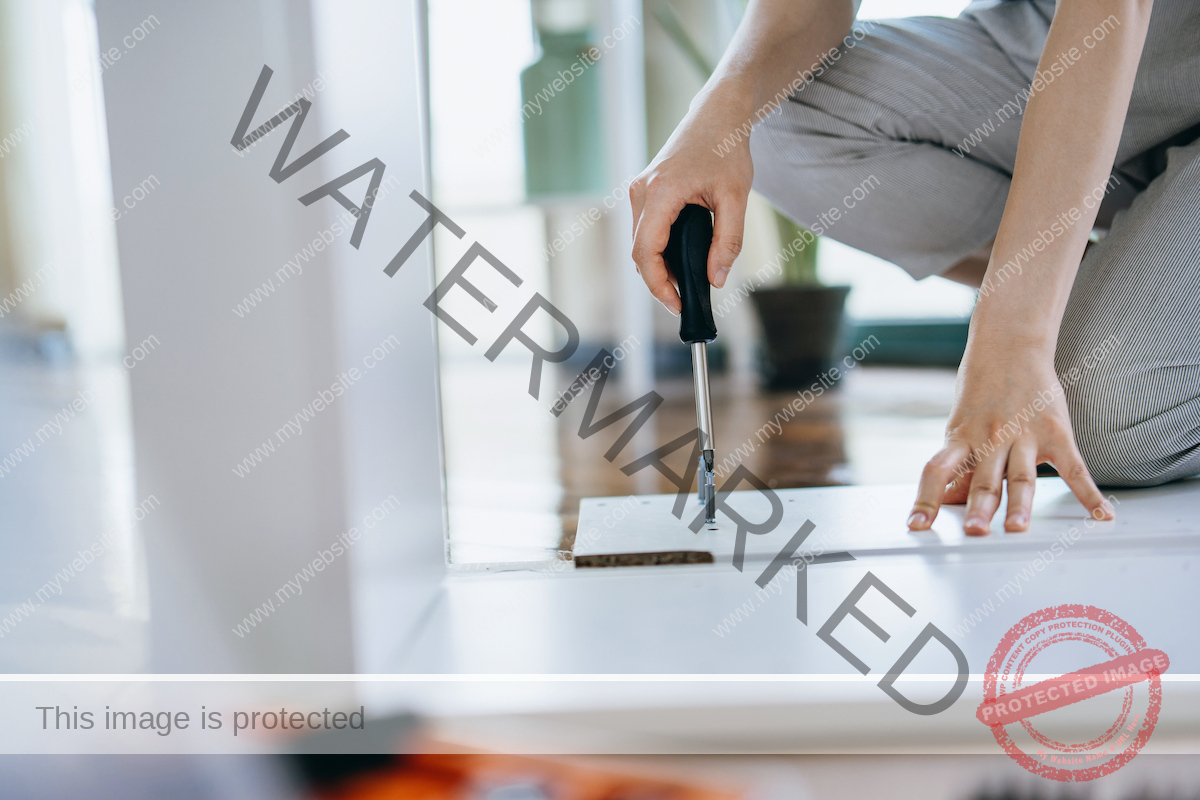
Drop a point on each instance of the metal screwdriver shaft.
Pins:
(705, 486)
(687, 258)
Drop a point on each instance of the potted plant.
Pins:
(801, 318)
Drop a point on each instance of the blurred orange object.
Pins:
(484, 776)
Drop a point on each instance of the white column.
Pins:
(221, 384)
(625, 132)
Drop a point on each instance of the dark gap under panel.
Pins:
(644, 559)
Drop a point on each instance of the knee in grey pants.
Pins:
(1128, 351)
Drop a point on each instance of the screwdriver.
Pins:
(687, 259)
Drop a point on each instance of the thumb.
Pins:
(728, 229)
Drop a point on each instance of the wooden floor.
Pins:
(879, 426)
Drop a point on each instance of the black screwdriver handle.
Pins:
(687, 258)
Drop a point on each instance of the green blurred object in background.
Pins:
(560, 95)
(801, 268)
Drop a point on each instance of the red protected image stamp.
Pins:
(1023, 713)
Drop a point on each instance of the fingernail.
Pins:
(918, 520)
(722, 273)
(975, 523)
(1019, 521)
(1105, 511)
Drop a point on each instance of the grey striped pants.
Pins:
(919, 104)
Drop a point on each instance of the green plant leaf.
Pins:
(800, 269)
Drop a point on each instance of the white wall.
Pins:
(214, 230)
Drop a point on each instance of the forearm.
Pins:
(776, 48)
(1069, 136)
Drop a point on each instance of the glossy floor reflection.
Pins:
(879, 426)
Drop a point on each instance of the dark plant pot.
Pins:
(801, 332)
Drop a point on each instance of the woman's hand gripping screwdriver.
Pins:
(687, 259)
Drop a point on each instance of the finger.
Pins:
(956, 492)
(1070, 466)
(653, 231)
(1022, 481)
(984, 498)
(937, 473)
(728, 229)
